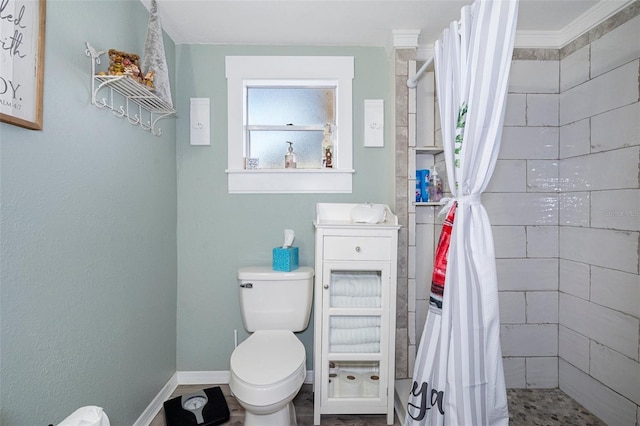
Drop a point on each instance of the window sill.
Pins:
(275, 181)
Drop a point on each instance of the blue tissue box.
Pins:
(285, 259)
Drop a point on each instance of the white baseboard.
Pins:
(153, 409)
(203, 377)
(188, 378)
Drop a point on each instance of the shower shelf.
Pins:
(138, 104)
(433, 150)
(426, 150)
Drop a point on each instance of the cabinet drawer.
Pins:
(357, 248)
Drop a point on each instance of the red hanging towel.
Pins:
(440, 262)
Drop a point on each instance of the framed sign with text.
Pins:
(22, 31)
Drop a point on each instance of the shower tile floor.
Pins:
(527, 407)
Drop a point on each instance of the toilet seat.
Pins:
(267, 367)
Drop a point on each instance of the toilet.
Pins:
(269, 367)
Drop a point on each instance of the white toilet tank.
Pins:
(274, 300)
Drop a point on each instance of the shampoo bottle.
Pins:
(435, 186)
(290, 157)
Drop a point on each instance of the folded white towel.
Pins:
(355, 284)
(355, 302)
(354, 336)
(354, 322)
(366, 348)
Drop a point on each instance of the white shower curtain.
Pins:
(458, 377)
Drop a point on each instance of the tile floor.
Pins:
(527, 407)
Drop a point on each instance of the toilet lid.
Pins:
(268, 357)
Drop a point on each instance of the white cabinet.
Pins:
(355, 307)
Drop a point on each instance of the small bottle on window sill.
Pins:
(290, 157)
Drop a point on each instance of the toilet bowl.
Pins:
(267, 371)
(269, 367)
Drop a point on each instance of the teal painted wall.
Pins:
(119, 249)
(88, 238)
(220, 232)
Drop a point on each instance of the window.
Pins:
(273, 100)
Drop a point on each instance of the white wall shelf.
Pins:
(132, 100)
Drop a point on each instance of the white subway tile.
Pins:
(542, 307)
(534, 77)
(615, 129)
(527, 274)
(425, 215)
(616, 209)
(512, 307)
(542, 109)
(542, 175)
(574, 69)
(412, 228)
(616, 290)
(509, 241)
(542, 372)
(521, 209)
(600, 247)
(529, 340)
(411, 262)
(574, 278)
(411, 328)
(606, 326)
(542, 241)
(508, 176)
(516, 112)
(608, 91)
(574, 208)
(617, 169)
(616, 47)
(573, 348)
(424, 259)
(611, 407)
(529, 143)
(620, 373)
(411, 295)
(575, 138)
(514, 372)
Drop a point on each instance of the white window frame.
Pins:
(243, 71)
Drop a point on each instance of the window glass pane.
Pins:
(271, 146)
(300, 106)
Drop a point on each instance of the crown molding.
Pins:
(557, 39)
(405, 38)
(583, 23)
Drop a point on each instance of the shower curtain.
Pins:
(458, 376)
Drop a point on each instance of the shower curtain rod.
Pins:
(412, 82)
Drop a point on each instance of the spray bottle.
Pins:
(290, 157)
(435, 186)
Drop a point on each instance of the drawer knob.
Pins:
(326, 286)
(357, 249)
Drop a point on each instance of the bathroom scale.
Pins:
(206, 408)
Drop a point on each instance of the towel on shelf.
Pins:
(354, 336)
(355, 284)
(361, 348)
(355, 302)
(353, 322)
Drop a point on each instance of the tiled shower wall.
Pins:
(564, 203)
(599, 220)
